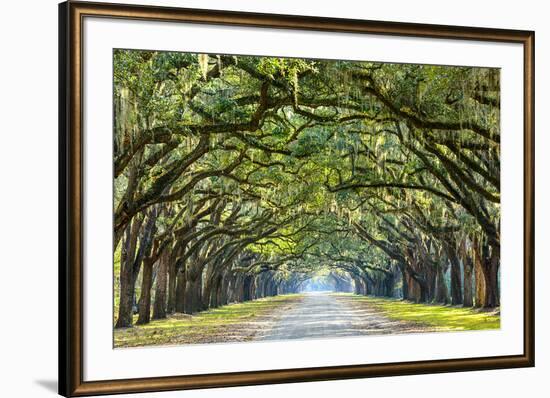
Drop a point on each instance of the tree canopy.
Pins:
(242, 176)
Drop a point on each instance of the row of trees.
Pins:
(242, 177)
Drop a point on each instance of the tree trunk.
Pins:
(247, 287)
(145, 298)
(180, 291)
(159, 308)
(431, 276)
(172, 275)
(413, 289)
(198, 304)
(468, 292)
(238, 297)
(389, 284)
(356, 286)
(225, 289)
(213, 297)
(479, 276)
(189, 296)
(360, 286)
(405, 284)
(220, 293)
(442, 293)
(490, 273)
(192, 297)
(127, 275)
(456, 282)
(423, 289)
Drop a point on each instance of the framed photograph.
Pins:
(253, 199)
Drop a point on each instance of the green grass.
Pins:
(233, 322)
(116, 281)
(438, 316)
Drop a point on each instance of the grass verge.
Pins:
(443, 318)
(230, 323)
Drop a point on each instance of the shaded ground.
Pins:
(312, 315)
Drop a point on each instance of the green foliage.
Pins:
(306, 165)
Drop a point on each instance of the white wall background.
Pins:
(28, 197)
